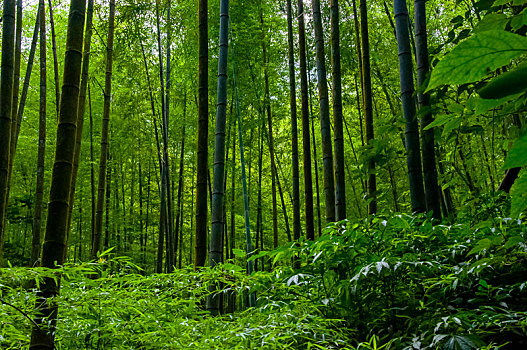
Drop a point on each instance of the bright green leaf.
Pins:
(519, 195)
(492, 21)
(485, 243)
(484, 105)
(475, 57)
(513, 241)
(517, 157)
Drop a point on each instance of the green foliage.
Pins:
(451, 287)
(507, 84)
(123, 309)
(382, 283)
(519, 194)
(517, 155)
(473, 58)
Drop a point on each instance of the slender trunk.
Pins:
(55, 61)
(359, 60)
(394, 189)
(259, 219)
(192, 216)
(427, 136)
(6, 105)
(340, 182)
(308, 182)
(116, 214)
(325, 126)
(448, 203)
(148, 206)
(284, 208)
(249, 249)
(219, 153)
(106, 243)
(79, 231)
(315, 157)
(39, 193)
(17, 122)
(487, 162)
(92, 170)
(413, 152)
(43, 336)
(267, 103)
(203, 131)
(180, 184)
(16, 73)
(165, 171)
(162, 230)
(141, 223)
(16, 88)
(81, 108)
(225, 236)
(294, 128)
(180, 244)
(368, 106)
(233, 193)
(104, 134)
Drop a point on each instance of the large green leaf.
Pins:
(517, 157)
(492, 21)
(510, 83)
(519, 194)
(475, 57)
(483, 105)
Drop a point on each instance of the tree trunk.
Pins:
(16, 73)
(259, 218)
(104, 134)
(55, 61)
(325, 127)
(16, 86)
(294, 128)
(427, 136)
(6, 100)
(368, 106)
(181, 183)
(219, 153)
(81, 108)
(92, 170)
(267, 103)
(413, 151)
(308, 182)
(315, 157)
(106, 243)
(249, 249)
(42, 337)
(233, 195)
(203, 132)
(17, 122)
(360, 101)
(340, 183)
(166, 166)
(39, 193)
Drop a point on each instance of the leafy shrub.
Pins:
(397, 282)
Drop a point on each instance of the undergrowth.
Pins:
(396, 282)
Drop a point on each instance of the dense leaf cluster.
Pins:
(400, 281)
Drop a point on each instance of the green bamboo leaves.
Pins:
(475, 57)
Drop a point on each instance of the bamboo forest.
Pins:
(263, 174)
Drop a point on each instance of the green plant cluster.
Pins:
(399, 282)
(417, 285)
